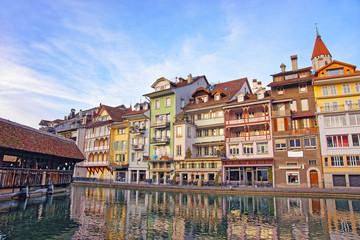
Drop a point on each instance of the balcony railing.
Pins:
(160, 158)
(118, 165)
(249, 120)
(160, 124)
(163, 140)
(281, 113)
(138, 147)
(251, 136)
(135, 130)
(96, 163)
(339, 108)
(304, 131)
(97, 148)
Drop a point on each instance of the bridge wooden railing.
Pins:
(21, 177)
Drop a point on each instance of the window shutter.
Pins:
(286, 125)
(275, 124)
(215, 165)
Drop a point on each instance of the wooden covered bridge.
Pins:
(33, 158)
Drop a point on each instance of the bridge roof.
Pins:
(18, 137)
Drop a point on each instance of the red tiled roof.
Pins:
(23, 138)
(229, 89)
(319, 48)
(185, 82)
(136, 112)
(115, 113)
(290, 81)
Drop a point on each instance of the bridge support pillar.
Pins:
(24, 192)
(50, 190)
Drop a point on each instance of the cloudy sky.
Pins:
(58, 55)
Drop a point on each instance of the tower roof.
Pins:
(319, 47)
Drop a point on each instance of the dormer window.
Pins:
(335, 72)
(280, 90)
(201, 99)
(240, 98)
(217, 97)
(145, 107)
(260, 95)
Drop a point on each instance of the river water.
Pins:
(108, 213)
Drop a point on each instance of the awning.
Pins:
(303, 115)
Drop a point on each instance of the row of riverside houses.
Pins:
(303, 132)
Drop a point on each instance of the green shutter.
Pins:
(215, 165)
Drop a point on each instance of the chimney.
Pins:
(259, 85)
(282, 66)
(254, 85)
(294, 62)
(189, 80)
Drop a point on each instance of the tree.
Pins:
(188, 152)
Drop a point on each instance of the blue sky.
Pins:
(58, 55)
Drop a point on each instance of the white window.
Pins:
(178, 131)
(188, 132)
(293, 106)
(310, 142)
(295, 143)
(280, 124)
(178, 150)
(248, 149)
(167, 102)
(325, 91)
(280, 144)
(357, 87)
(354, 119)
(280, 90)
(356, 140)
(234, 149)
(220, 113)
(306, 123)
(157, 104)
(182, 103)
(348, 104)
(331, 106)
(353, 160)
(304, 105)
(302, 88)
(333, 90)
(295, 124)
(213, 115)
(346, 88)
(217, 97)
(206, 116)
(334, 72)
(292, 178)
(262, 148)
(337, 161)
(221, 131)
(337, 141)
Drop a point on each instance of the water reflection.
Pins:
(106, 213)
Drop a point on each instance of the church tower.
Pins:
(321, 55)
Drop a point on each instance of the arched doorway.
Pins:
(314, 179)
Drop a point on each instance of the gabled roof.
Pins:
(228, 89)
(160, 80)
(199, 90)
(319, 48)
(332, 63)
(115, 113)
(19, 137)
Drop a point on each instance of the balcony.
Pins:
(251, 136)
(249, 120)
(162, 140)
(137, 147)
(339, 108)
(211, 121)
(160, 124)
(119, 165)
(304, 131)
(160, 158)
(97, 148)
(281, 113)
(96, 164)
(219, 138)
(136, 130)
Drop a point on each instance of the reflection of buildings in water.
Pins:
(299, 218)
(343, 218)
(251, 217)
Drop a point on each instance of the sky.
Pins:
(59, 55)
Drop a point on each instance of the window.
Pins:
(306, 122)
(206, 132)
(325, 91)
(331, 106)
(326, 161)
(189, 132)
(310, 142)
(304, 105)
(198, 133)
(217, 97)
(199, 117)
(206, 116)
(121, 131)
(292, 178)
(157, 104)
(293, 106)
(312, 162)
(302, 88)
(198, 151)
(120, 157)
(248, 149)
(346, 88)
(335, 72)
(280, 90)
(202, 165)
(336, 121)
(213, 115)
(221, 131)
(220, 113)
(337, 161)
(333, 90)
(355, 139)
(280, 144)
(337, 141)
(357, 87)
(280, 124)
(123, 145)
(182, 103)
(206, 151)
(178, 150)
(295, 143)
(353, 160)
(167, 102)
(295, 124)
(178, 131)
(234, 149)
(214, 132)
(262, 148)
(348, 104)
(354, 119)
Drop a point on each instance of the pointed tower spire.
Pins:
(321, 55)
